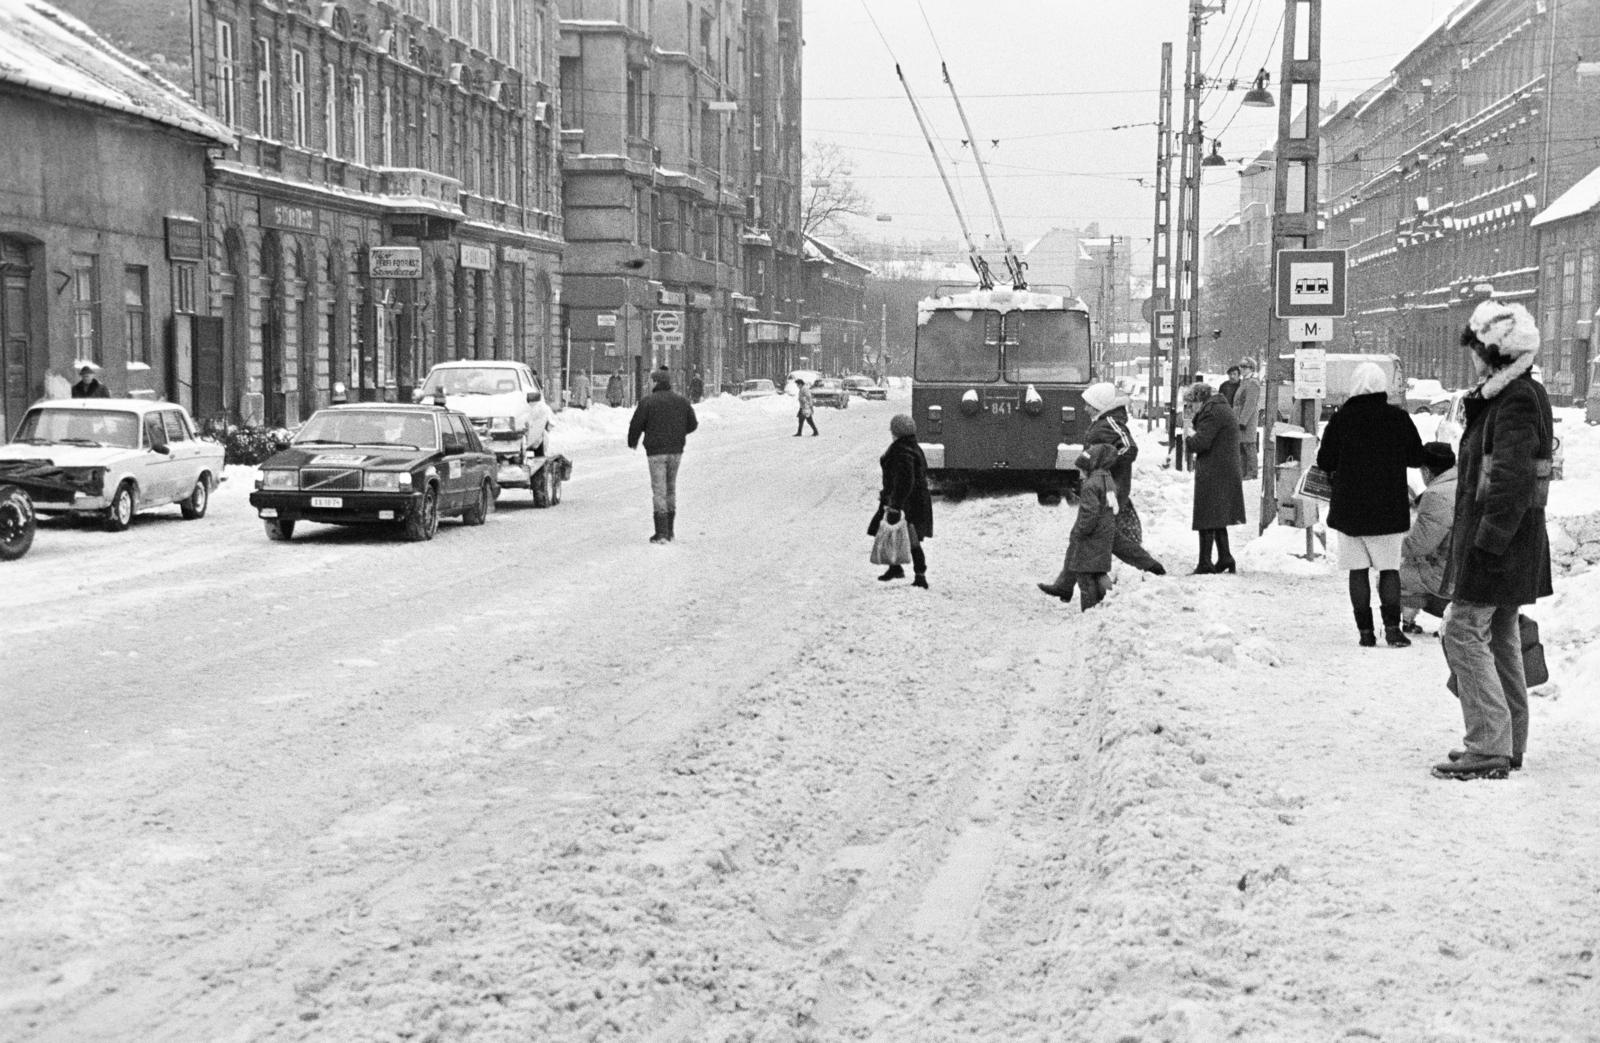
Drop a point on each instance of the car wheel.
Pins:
(279, 530)
(424, 521)
(480, 510)
(544, 487)
(16, 523)
(195, 506)
(120, 514)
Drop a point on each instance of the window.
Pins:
(513, 45)
(136, 309)
(177, 428)
(538, 45)
(330, 110)
(435, 158)
(455, 17)
(183, 289)
(358, 119)
(494, 28)
(226, 102)
(635, 103)
(86, 307)
(571, 93)
(265, 125)
(297, 98)
(433, 11)
(477, 23)
(388, 126)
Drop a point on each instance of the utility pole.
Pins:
(1161, 238)
(1294, 215)
(1186, 305)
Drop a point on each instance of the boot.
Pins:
(1062, 586)
(1516, 758)
(1208, 540)
(893, 572)
(1225, 562)
(672, 518)
(661, 528)
(1369, 638)
(921, 580)
(1392, 634)
(1473, 766)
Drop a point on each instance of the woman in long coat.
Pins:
(1218, 485)
(905, 491)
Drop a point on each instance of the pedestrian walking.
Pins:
(1425, 553)
(1499, 552)
(580, 390)
(905, 494)
(1247, 405)
(1365, 450)
(664, 420)
(614, 390)
(807, 408)
(1230, 387)
(1094, 532)
(88, 385)
(1110, 428)
(697, 387)
(1218, 487)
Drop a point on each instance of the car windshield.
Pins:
(757, 385)
(472, 380)
(370, 427)
(112, 427)
(826, 384)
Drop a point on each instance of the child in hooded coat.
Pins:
(1095, 531)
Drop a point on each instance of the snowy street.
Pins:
(542, 780)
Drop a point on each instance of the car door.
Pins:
(152, 466)
(185, 453)
(453, 468)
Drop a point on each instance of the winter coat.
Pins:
(1499, 551)
(1426, 551)
(1095, 531)
(1111, 429)
(905, 483)
(665, 419)
(807, 406)
(1366, 449)
(93, 389)
(1228, 390)
(1218, 482)
(1247, 407)
(614, 390)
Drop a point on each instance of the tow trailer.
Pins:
(21, 481)
(540, 475)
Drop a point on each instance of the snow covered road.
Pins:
(544, 781)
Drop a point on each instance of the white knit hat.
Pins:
(1505, 326)
(1100, 397)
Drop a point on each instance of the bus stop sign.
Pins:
(1309, 284)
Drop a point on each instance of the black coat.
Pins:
(1499, 551)
(905, 483)
(1218, 481)
(1366, 449)
(665, 419)
(1228, 390)
(1111, 428)
(93, 389)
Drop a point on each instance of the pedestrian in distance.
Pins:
(1499, 552)
(1425, 553)
(697, 387)
(1218, 486)
(1247, 403)
(1230, 387)
(614, 390)
(1094, 533)
(664, 420)
(807, 408)
(88, 386)
(1366, 449)
(905, 494)
(1109, 427)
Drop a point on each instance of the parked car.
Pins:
(830, 391)
(501, 398)
(112, 458)
(1453, 421)
(866, 387)
(378, 463)
(1421, 393)
(760, 388)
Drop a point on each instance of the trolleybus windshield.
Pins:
(1038, 347)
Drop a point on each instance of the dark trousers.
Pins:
(805, 418)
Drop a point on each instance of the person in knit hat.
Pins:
(664, 419)
(1095, 530)
(1499, 552)
(1109, 414)
(905, 493)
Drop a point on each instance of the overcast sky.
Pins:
(1049, 78)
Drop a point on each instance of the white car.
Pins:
(758, 388)
(1453, 422)
(112, 457)
(503, 400)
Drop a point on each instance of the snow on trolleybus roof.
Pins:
(998, 299)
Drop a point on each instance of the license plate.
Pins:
(327, 501)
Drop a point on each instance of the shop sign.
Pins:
(395, 262)
(287, 217)
(514, 255)
(185, 241)
(478, 258)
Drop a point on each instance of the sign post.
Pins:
(666, 331)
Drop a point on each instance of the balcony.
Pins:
(409, 190)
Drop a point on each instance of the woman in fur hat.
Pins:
(1499, 553)
(905, 492)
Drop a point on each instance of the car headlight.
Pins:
(280, 479)
(387, 481)
(87, 480)
(503, 423)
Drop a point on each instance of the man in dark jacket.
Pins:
(1499, 552)
(87, 386)
(664, 419)
(1110, 428)
(1230, 387)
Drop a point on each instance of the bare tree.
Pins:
(829, 195)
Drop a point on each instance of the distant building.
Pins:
(835, 337)
(103, 173)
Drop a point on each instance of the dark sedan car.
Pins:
(830, 391)
(378, 464)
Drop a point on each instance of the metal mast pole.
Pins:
(1161, 239)
(1294, 212)
(1185, 306)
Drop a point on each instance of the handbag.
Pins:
(1315, 485)
(892, 545)
(1534, 669)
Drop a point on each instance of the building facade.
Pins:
(101, 247)
(834, 339)
(393, 200)
(1434, 177)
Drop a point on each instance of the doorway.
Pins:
(16, 333)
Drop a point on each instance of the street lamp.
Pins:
(1258, 97)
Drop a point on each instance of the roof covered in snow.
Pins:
(46, 50)
(1579, 199)
(998, 299)
(817, 250)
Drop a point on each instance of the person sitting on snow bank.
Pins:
(1426, 549)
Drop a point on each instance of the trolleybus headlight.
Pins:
(969, 403)
(1032, 404)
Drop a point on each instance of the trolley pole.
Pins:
(1294, 215)
(1161, 238)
